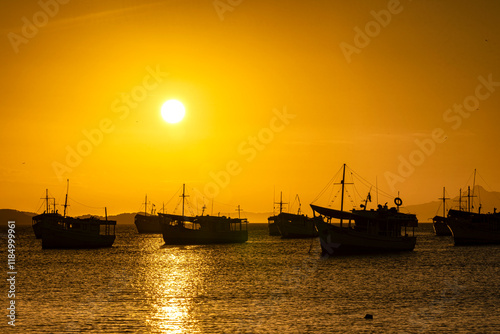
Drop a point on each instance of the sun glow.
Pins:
(173, 111)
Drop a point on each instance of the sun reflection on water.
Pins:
(172, 282)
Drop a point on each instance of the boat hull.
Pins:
(55, 237)
(180, 235)
(470, 228)
(147, 224)
(472, 234)
(441, 228)
(37, 228)
(336, 240)
(273, 229)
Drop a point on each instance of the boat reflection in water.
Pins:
(171, 284)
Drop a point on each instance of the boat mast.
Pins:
(66, 200)
(146, 205)
(183, 197)
(280, 202)
(342, 198)
(239, 210)
(298, 200)
(473, 186)
(460, 200)
(444, 198)
(47, 200)
(468, 199)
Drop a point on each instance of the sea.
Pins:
(266, 285)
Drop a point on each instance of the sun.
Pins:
(173, 111)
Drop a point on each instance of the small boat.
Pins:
(439, 222)
(373, 231)
(201, 230)
(147, 222)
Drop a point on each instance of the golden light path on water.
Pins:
(171, 309)
(172, 279)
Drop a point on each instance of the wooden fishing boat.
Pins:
(204, 229)
(69, 232)
(60, 231)
(367, 231)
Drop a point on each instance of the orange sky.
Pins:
(278, 96)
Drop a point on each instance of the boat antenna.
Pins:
(239, 210)
(146, 205)
(66, 200)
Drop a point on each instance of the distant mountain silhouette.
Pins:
(21, 218)
(488, 200)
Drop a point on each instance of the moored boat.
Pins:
(201, 230)
(373, 231)
(204, 229)
(71, 233)
(296, 225)
(473, 228)
(61, 231)
(470, 228)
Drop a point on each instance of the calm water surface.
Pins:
(266, 285)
